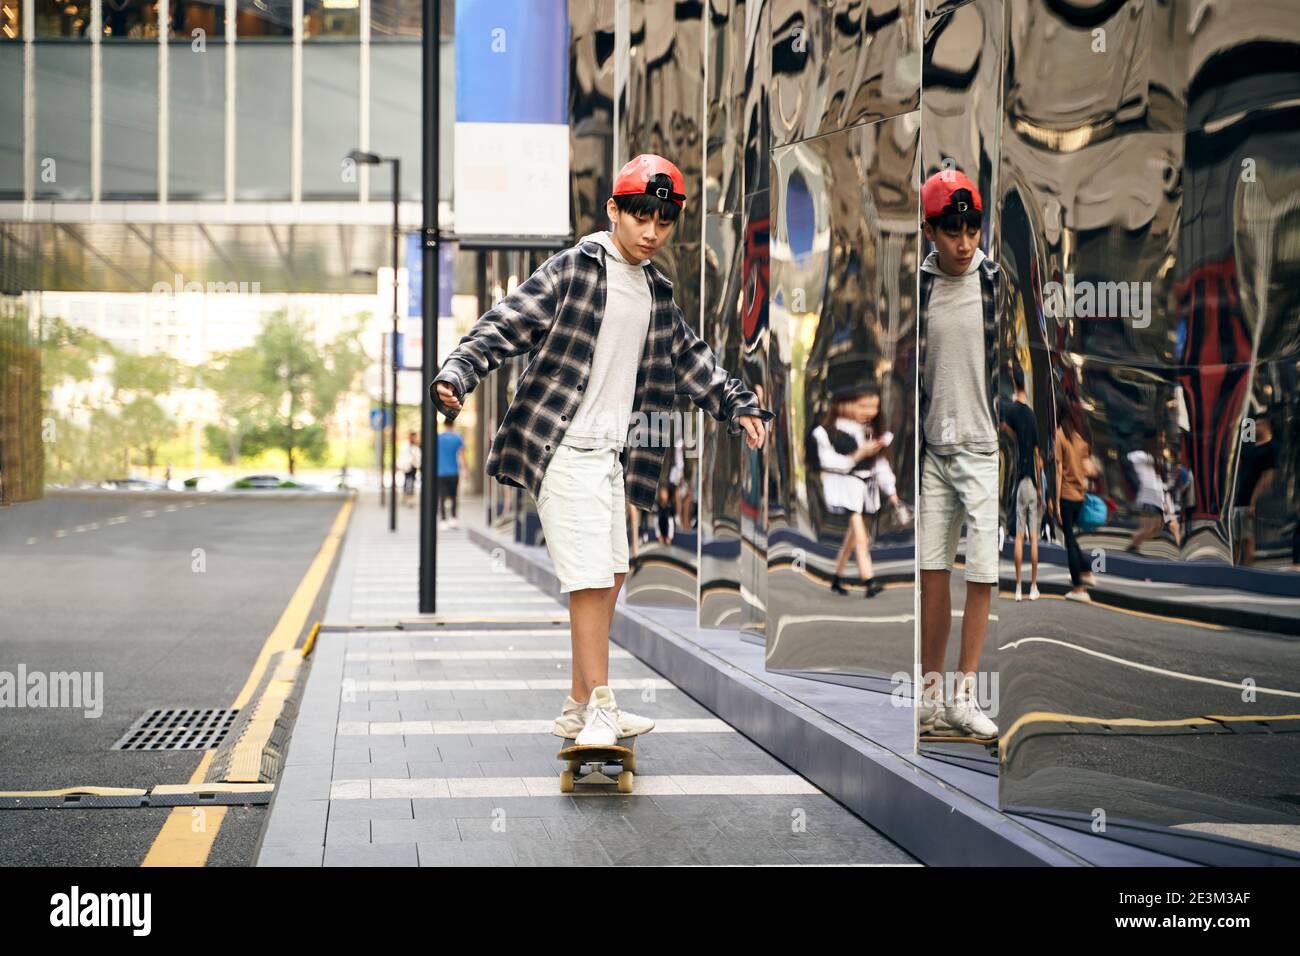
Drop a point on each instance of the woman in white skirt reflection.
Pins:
(855, 472)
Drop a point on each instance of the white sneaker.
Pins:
(601, 726)
(1082, 596)
(930, 721)
(1018, 595)
(963, 713)
(443, 526)
(1033, 592)
(573, 717)
(454, 523)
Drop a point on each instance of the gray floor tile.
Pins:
(395, 854)
(490, 853)
(370, 810)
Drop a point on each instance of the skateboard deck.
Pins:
(595, 761)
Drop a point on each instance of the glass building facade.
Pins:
(201, 101)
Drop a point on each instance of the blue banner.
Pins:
(512, 61)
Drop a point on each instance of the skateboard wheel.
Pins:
(625, 782)
(566, 782)
(574, 765)
(630, 763)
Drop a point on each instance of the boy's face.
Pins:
(956, 248)
(638, 236)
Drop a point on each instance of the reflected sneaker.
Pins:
(600, 728)
(964, 715)
(930, 720)
(1083, 596)
(1033, 592)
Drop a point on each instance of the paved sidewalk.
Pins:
(430, 745)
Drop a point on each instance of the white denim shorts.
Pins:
(957, 487)
(584, 516)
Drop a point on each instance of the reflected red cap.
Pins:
(936, 194)
(652, 175)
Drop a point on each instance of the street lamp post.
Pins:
(373, 159)
(431, 92)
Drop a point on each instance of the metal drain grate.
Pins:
(178, 729)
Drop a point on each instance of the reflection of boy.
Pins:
(959, 464)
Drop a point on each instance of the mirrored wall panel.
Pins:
(1148, 207)
(840, 545)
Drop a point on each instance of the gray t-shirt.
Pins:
(959, 416)
(605, 412)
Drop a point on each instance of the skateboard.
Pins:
(991, 745)
(596, 760)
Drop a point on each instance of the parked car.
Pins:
(253, 482)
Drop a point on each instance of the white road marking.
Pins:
(1196, 678)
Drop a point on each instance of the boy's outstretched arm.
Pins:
(515, 325)
(709, 386)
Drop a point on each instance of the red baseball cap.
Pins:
(936, 194)
(651, 175)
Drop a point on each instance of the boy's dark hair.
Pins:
(1018, 374)
(643, 204)
(952, 221)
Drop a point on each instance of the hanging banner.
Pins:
(415, 272)
(512, 133)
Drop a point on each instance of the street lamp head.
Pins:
(365, 159)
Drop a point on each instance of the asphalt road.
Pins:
(169, 597)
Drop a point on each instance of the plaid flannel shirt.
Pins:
(555, 316)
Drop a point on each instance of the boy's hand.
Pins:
(755, 430)
(447, 395)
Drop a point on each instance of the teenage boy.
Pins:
(1019, 422)
(606, 340)
(957, 358)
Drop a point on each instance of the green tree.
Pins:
(125, 420)
(281, 391)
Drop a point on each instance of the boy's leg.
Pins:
(589, 619)
(591, 669)
(936, 621)
(938, 524)
(569, 506)
(978, 486)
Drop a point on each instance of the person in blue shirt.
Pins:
(451, 461)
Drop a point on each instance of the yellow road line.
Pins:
(187, 836)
